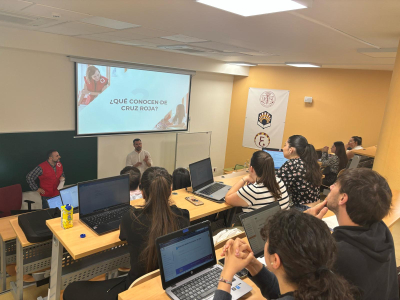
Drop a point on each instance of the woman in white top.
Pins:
(260, 188)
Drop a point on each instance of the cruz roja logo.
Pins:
(264, 120)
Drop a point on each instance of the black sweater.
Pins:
(267, 283)
(366, 259)
(136, 233)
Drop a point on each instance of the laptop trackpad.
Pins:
(114, 224)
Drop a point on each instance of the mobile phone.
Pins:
(194, 201)
(241, 274)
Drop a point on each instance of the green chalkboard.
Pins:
(22, 152)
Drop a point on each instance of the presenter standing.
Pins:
(139, 158)
(50, 174)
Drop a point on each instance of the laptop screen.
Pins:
(55, 202)
(254, 221)
(185, 253)
(99, 194)
(201, 173)
(69, 195)
(277, 156)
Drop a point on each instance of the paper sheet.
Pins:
(61, 185)
(331, 222)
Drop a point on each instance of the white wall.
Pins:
(37, 94)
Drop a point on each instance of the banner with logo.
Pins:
(265, 118)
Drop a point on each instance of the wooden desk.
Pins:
(7, 248)
(370, 151)
(30, 257)
(93, 243)
(152, 289)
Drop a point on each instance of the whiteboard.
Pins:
(191, 147)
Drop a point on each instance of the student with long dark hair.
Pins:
(301, 173)
(139, 227)
(260, 188)
(333, 163)
(180, 179)
(299, 254)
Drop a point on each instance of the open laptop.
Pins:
(55, 202)
(188, 265)
(69, 195)
(277, 156)
(253, 222)
(203, 183)
(102, 202)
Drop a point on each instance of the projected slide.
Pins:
(120, 100)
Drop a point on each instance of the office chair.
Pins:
(11, 199)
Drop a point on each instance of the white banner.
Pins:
(265, 118)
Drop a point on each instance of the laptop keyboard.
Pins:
(212, 189)
(199, 287)
(107, 217)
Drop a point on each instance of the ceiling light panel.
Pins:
(109, 23)
(13, 5)
(253, 7)
(303, 65)
(183, 38)
(54, 13)
(75, 28)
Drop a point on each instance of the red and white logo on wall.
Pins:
(257, 116)
(262, 140)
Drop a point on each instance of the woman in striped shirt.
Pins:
(260, 188)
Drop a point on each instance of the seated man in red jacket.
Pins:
(50, 174)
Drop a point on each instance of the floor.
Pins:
(32, 292)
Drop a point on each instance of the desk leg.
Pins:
(18, 287)
(55, 272)
(3, 273)
(230, 216)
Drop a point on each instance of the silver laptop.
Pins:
(203, 183)
(253, 222)
(188, 265)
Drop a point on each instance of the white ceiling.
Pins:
(332, 33)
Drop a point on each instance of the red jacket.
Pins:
(94, 86)
(50, 180)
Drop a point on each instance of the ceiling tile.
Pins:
(136, 43)
(48, 12)
(222, 47)
(13, 5)
(159, 41)
(101, 37)
(75, 28)
(114, 24)
(128, 34)
(150, 32)
(183, 38)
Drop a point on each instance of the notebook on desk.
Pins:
(203, 183)
(103, 202)
(188, 265)
(253, 222)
